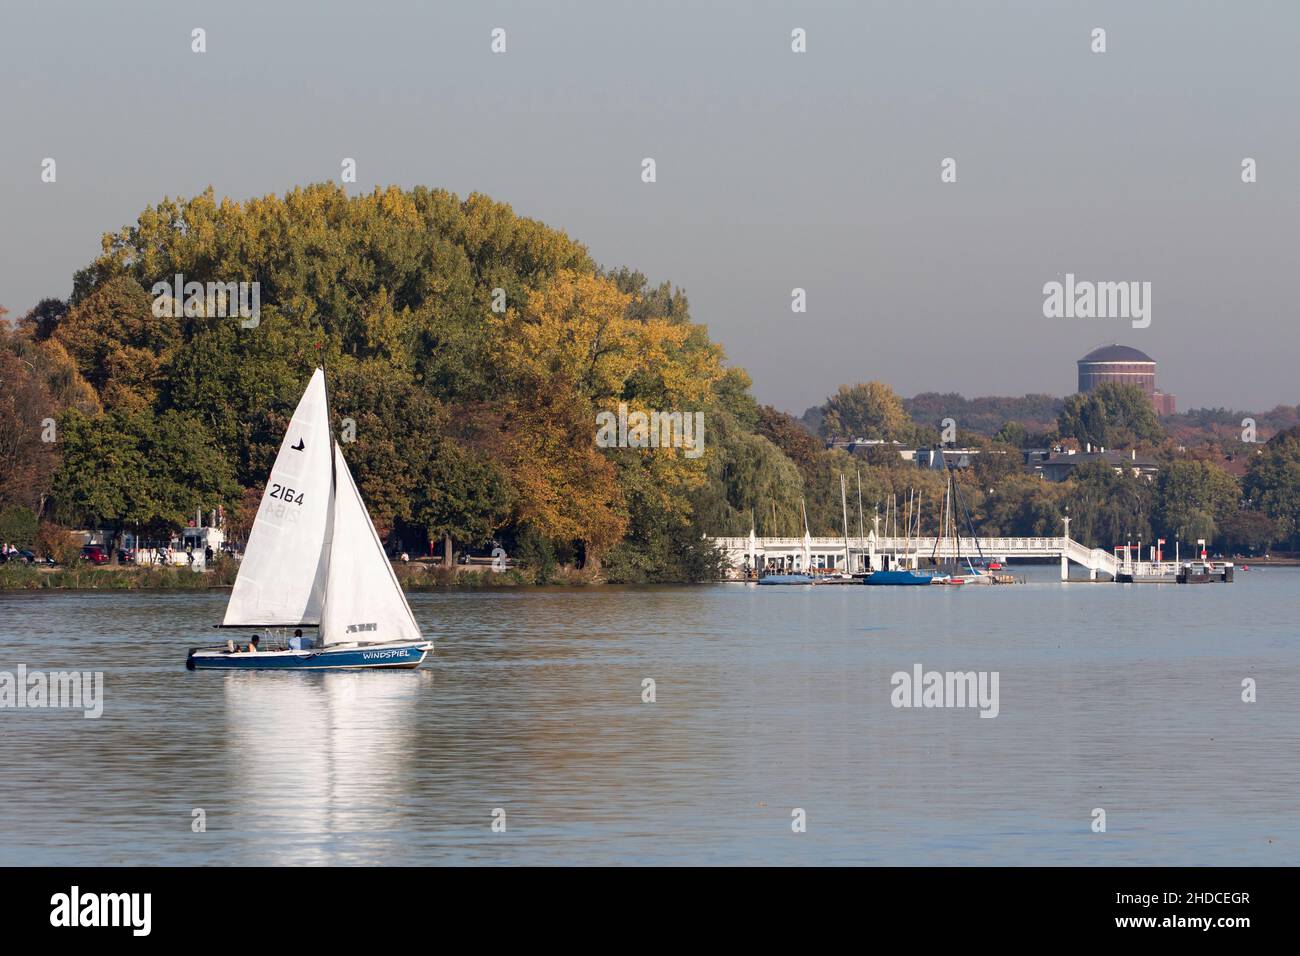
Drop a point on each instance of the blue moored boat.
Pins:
(900, 576)
(314, 560)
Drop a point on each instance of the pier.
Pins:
(830, 552)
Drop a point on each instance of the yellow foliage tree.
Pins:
(570, 351)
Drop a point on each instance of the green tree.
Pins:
(1110, 416)
(392, 428)
(1023, 505)
(1013, 433)
(1195, 498)
(1108, 508)
(18, 526)
(466, 498)
(133, 469)
(866, 410)
(1272, 483)
(1251, 531)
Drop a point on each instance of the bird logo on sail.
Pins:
(300, 446)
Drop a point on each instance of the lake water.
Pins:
(1126, 698)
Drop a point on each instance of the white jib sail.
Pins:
(282, 576)
(363, 601)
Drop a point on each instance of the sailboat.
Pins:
(315, 561)
(833, 574)
(903, 571)
(950, 571)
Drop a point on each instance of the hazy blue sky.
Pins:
(775, 169)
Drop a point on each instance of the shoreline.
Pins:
(121, 578)
(87, 580)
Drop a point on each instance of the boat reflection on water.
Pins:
(317, 755)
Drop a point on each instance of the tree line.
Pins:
(470, 350)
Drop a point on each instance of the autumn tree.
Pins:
(27, 459)
(39, 383)
(119, 346)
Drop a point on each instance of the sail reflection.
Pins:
(321, 757)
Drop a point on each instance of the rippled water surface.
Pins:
(1126, 698)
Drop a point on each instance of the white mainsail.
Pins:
(363, 601)
(282, 576)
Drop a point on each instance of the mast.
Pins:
(907, 547)
(939, 532)
(807, 539)
(329, 423)
(952, 520)
(970, 525)
(844, 505)
(947, 511)
(893, 506)
(861, 537)
(917, 562)
(334, 491)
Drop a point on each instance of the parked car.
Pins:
(25, 556)
(126, 556)
(94, 554)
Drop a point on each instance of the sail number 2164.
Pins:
(285, 493)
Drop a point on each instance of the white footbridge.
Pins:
(859, 553)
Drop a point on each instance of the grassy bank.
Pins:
(23, 577)
(413, 577)
(424, 577)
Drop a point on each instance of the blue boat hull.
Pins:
(395, 656)
(900, 577)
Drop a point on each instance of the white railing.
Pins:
(1094, 559)
(1024, 547)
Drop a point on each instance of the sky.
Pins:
(775, 170)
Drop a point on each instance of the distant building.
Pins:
(951, 457)
(852, 445)
(921, 457)
(1124, 365)
(1059, 466)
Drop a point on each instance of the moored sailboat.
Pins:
(314, 561)
(901, 570)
